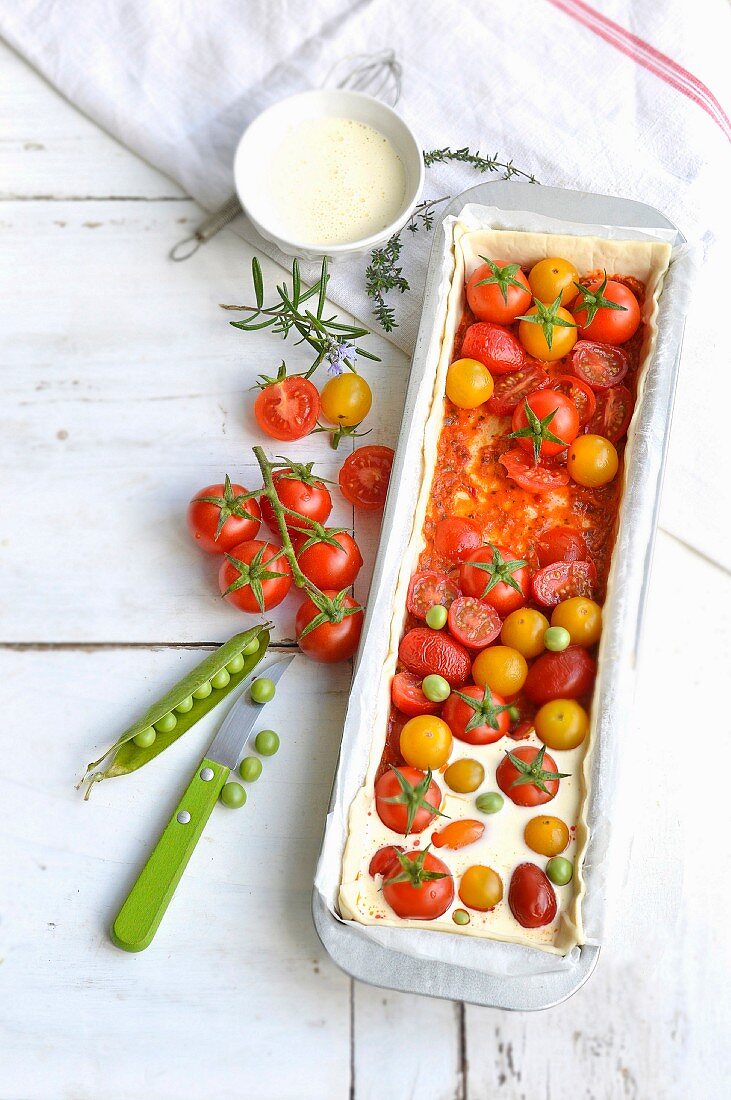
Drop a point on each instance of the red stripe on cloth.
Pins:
(647, 56)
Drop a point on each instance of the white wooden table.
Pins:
(124, 390)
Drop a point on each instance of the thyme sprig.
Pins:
(382, 275)
(329, 338)
(507, 169)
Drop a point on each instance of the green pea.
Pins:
(233, 795)
(203, 691)
(461, 916)
(262, 690)
(490, 803)
(513, 714)
(435, 688)
(145, 738)
(220, 679)
(250, 768)
(436, 616)
(266, 742)
(185, 705)
(251, 647)
(560, 870)
(235, 665)
(167, 723)
(557, 638)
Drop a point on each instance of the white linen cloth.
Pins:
(539, 82)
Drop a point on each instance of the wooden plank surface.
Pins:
(124, 391)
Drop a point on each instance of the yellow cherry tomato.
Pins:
(534, 341)
(551, 277)
(581, 617)
(501, 668)
(523, 630)
(346, 399)
(549, 836)
(480, 888)
(561, 724)
(592, 461)
(469, 383)
(426, 742)
(464, 776)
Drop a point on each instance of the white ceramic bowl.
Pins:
(264, 135)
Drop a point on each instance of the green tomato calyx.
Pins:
(486, 713)
(413, 797)
(594, 300)
(413, 870)
(547, 317)
(534, 772)
(230, 504)
(538, 431)
(499, 569)
(253, 573)
(502, 277)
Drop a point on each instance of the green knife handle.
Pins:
(140, 915)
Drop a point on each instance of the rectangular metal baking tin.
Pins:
(367, 961)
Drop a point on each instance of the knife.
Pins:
(145, 906)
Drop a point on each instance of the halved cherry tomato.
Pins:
(561, 544)
(488, 302)
(494, 346)
(579, 393)
(507, 775)
(288, 409)
(425, 894)
(534, 479)
(531, 897)
(421, 807)
(383, 858)
(564, 422)
(425, 651)
(473, 622)
(613, 413)
(511, 389)
(609, 326)
(455, 537)
(458, 714)
(329, 567)
(566, 675)
(562, 580)
(429, 589)
(475, 578)
(331, 641)
(458, 834)
(407, 696)
(363, 478)
(599, 365)
(306, 495)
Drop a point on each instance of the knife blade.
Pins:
(139, 917)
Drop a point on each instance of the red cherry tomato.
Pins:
(363, 478)
(408, 697)
(455, 537)
(609, 326)
(522, 730)
(474, 580)
(562, 580)
(599, 365)
(288, 409)
(311, 498)
(534, 479)
(531, 897)
(383, 859)
(564, 423)
(579, 393)
(329, 642)
(422, 899)
(487, 301)
(526, 794)
(494, 346)
(457, 714)
(424, 651)
(473, 622)
(613, 413)
(242, 521)
(329, 567)
(427, 589)
(511, 389)
(567, 675)
(244, 567)
(395, 815)
(561, 544)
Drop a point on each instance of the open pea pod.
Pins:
(126, 756)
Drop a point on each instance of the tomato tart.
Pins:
(472, 816)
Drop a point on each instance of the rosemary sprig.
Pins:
(329, 338)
